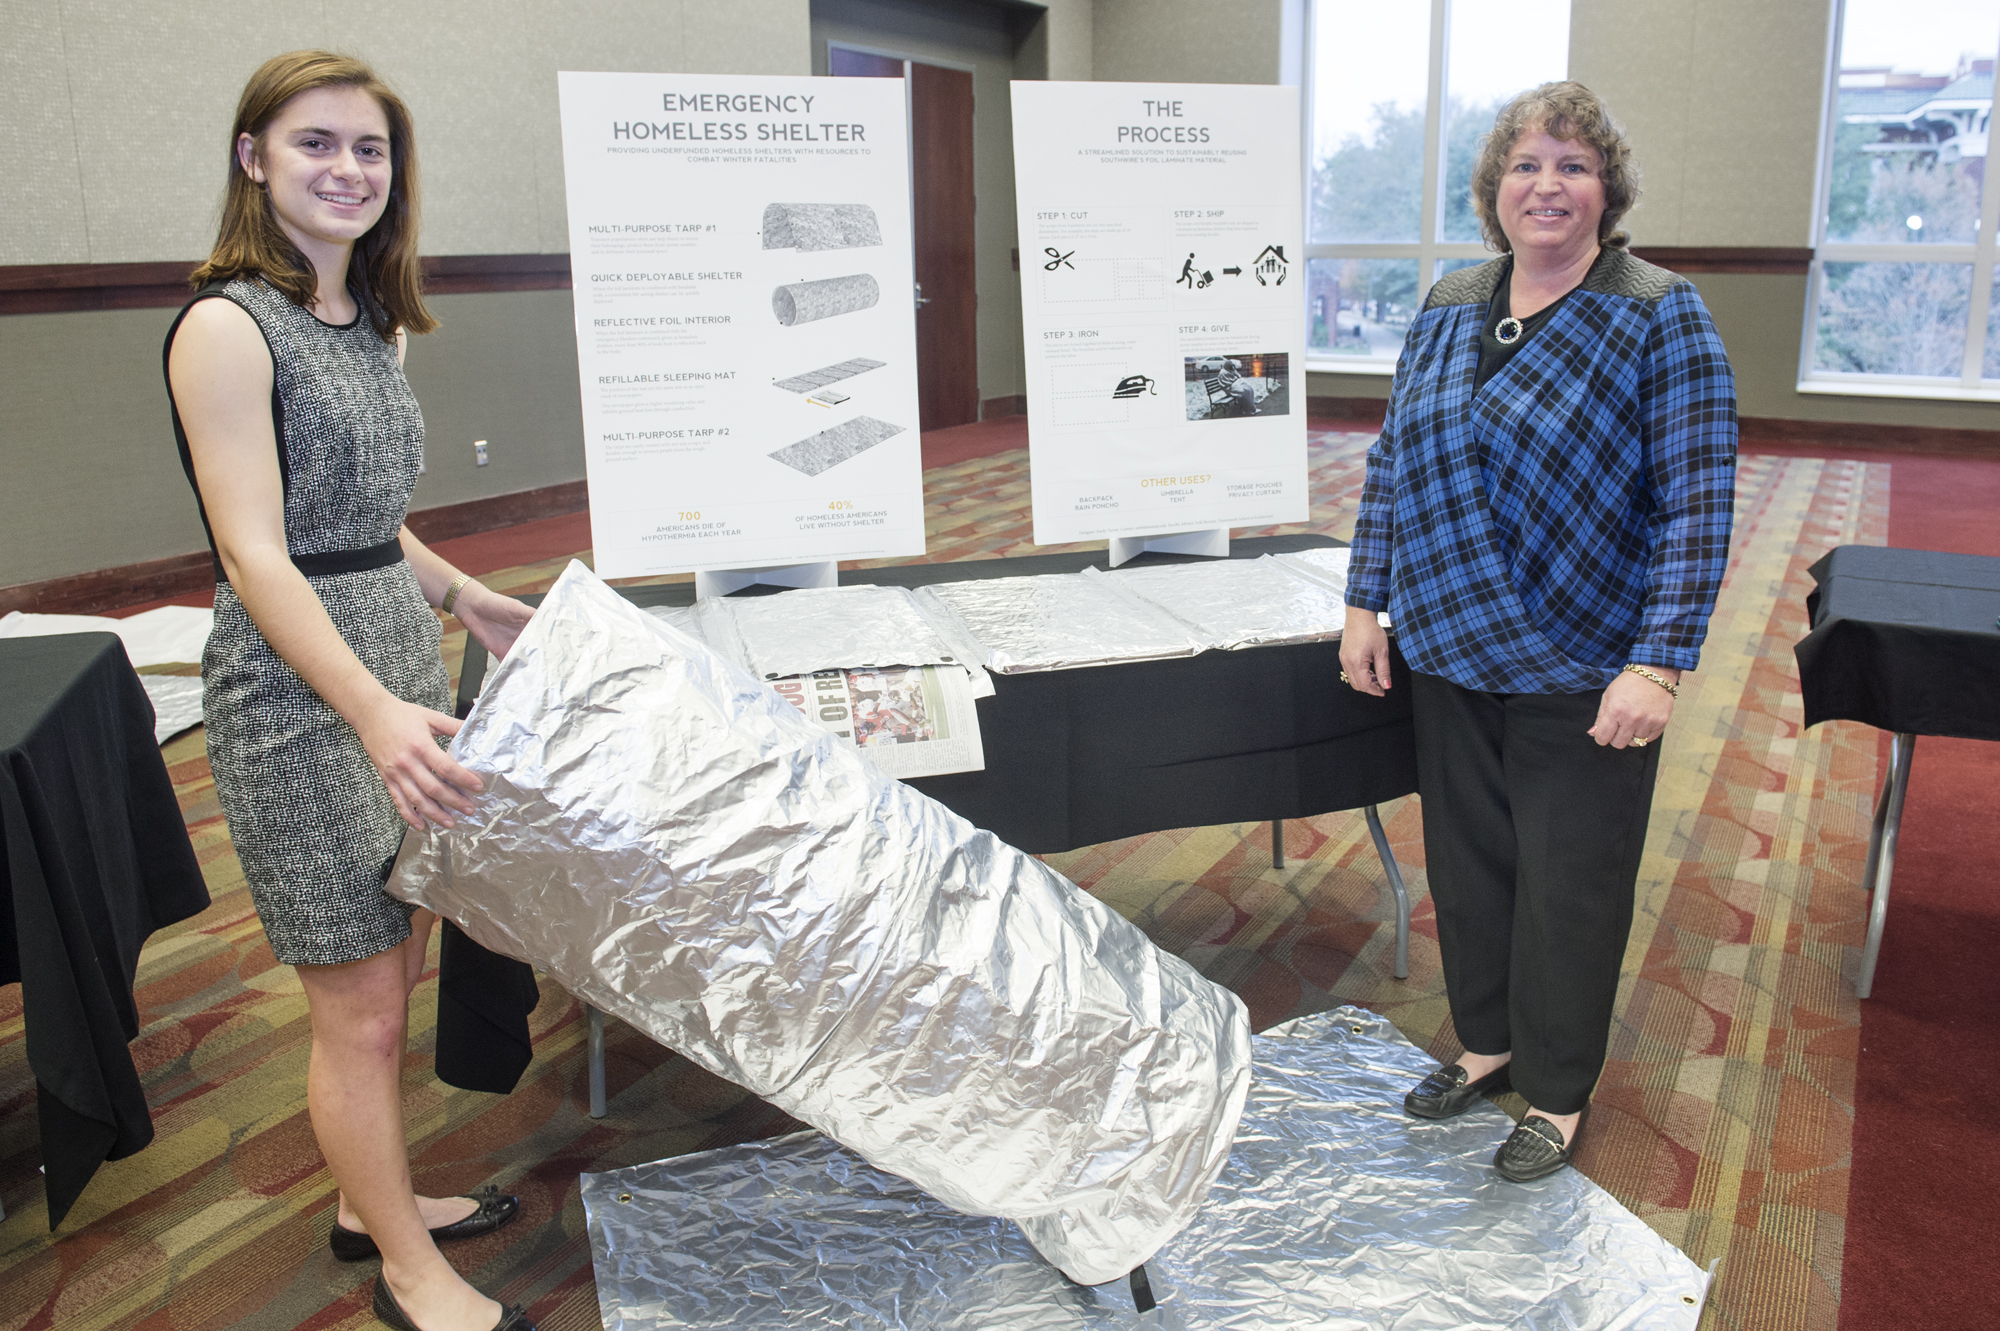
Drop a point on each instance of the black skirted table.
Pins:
(1907, 641)
(94, 857)
(1078, 757)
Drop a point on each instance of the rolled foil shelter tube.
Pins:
(672, 843)
(805, 302)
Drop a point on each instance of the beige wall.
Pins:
(982, 40)
(1722, 101)
(113, 114)
(117, 118)
(93, 479)
(1064, 37)
(1186, 41)
(126, 106)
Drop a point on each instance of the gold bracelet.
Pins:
(457, 586)
(1661, 680)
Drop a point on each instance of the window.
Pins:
(1901, 299)
(1400, 94)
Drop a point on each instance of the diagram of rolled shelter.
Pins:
(809, 228)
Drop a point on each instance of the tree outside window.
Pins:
(1902, 291)
(1400, 98)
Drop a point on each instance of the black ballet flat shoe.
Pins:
(390, 1312)
(494, 1210)
(1535, 1149)
(1448, 1092)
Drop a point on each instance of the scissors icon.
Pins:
(1057, 259)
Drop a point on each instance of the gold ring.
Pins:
(1638, 743)
(1344, 679)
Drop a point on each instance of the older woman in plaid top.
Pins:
(1546, 521)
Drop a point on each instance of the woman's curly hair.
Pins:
(1567, 111)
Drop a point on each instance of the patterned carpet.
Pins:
(1724, 1118)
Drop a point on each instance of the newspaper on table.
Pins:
(907, 720)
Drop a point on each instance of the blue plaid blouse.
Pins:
(1574, 514)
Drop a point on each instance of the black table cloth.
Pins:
(1077, 757)
(1905, 640)
(94, 856)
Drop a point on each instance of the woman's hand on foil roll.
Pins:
(493, 619)
(1634, 708)
(427, 785)
(1364, 653)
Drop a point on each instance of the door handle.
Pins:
(922, 299)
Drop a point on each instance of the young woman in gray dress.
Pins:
(323, 689)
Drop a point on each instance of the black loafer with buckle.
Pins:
(390, 1312)
(1535, 1150)
(493, 1210)
(1449, 1091)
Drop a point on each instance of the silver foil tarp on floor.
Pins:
(1336, 1211)
(676, 845)
(1236, 603)
(1059, 621)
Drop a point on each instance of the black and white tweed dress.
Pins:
(313, 825)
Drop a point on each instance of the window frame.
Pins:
(1981, 253)
(1427, 249)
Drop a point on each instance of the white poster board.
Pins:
(1162, 271)
(745, 330)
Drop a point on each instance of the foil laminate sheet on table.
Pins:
(832, 628)
(673, 843)
(1327, 564)
(1060, 621)
(1236, 603)
(1337, 1211)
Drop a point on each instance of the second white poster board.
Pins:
(1162, 271)
(746, 340)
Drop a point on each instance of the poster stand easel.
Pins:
(1213, 541)
(723, 581)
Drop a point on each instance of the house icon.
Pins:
(1271, 267)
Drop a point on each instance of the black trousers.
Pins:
(1533, 833)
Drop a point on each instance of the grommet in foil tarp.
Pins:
(1142, 1290)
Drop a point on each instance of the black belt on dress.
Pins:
(325, 563)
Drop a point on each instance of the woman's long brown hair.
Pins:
(382, 270)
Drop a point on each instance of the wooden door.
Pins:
(941, 195)
(948, 320)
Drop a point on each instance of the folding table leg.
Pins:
(1277, 843)
(1881, 865)
(1381, 838)
(596, 1063)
